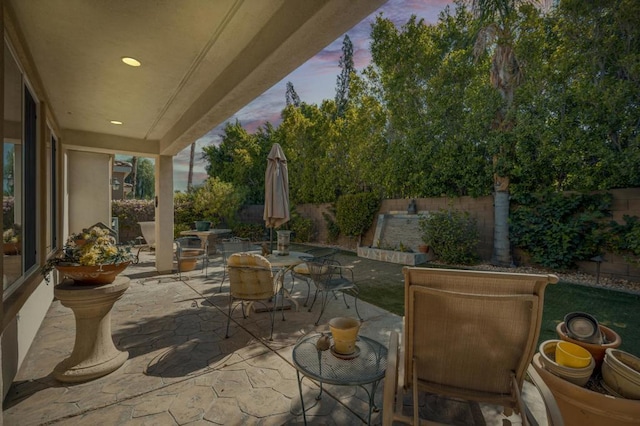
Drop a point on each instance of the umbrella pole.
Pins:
(271, 239)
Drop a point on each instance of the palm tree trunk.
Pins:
(501, 245)
(191, 160)
(134, 176)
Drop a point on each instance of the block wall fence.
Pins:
(625, 202)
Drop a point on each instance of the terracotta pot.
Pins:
(423, 248)
(92, 275)
(11, 249)
(581, 406)
(187, 265)
(597, 351)
(189, 260)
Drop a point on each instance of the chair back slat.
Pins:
(320, 269)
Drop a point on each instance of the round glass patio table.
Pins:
(366, 366)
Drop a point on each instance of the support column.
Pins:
(164, 214)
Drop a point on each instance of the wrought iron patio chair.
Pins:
(301, 271)
(251, 280)
(231, 246)
(330, 276)
(469, 335)
(190, 249)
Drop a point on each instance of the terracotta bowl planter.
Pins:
(621, 374)
(583, 407)
(92, 275)
(11, 249)
(597, 351)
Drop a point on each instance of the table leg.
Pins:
(372, 395)
(304, 414)
(286, 292)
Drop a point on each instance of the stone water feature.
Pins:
(396, 230)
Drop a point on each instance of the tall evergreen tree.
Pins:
(291, 95)
(346, 68)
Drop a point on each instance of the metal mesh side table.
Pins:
(368, 367)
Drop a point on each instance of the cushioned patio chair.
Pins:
(329, 276)
(251, 280)
(469, 335)
(301, 271)
(231, 246)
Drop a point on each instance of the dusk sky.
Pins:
(314, 81)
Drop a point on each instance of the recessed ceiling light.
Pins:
(115, 122)
(131, 61)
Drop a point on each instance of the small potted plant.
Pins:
(11, 241)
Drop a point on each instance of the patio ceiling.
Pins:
(202, 60)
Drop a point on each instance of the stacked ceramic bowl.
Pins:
(567, 360)
(621, 374)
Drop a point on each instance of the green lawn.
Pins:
(617, 310)
(620, 311)
(382, 284)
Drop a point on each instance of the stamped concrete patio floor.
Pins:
(181, 368)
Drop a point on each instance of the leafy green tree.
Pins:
(436, 100)
(241, 159)
(145, 182)
(304, 135)
(142, 178)
(216, 200)
(577, 110)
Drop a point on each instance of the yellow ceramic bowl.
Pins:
(345, 333)
(571, 355)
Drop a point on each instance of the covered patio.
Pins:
(182, 370)
(86, 81)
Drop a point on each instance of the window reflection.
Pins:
(12, 199)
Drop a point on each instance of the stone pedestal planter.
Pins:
(94, 354)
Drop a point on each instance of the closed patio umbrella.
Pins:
(276, 190)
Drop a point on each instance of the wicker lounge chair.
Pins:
(469, 335)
